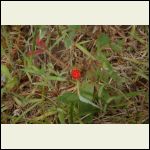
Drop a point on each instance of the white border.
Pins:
(75, 12)
(75, 136)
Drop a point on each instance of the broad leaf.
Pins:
(87, 101)
(85, 108)
(86, 90)
(69, 98)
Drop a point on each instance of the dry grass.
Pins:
(117, 62)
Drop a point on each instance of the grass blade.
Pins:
(24, 113)
(85, 51)
(47, 114)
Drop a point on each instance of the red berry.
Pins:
(75, 73)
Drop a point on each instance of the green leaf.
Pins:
(69, 98)
(61, 116)
(102, 41)
(34, 70)
(71, 35)
(86, 90)
(5, 71)
(68, 42)
(105, 96)
(88, 118)
(83, 99)
(87, 101)
(101, 90)
(11, 83)
(71, 114)
(85, 108)
(105, 62)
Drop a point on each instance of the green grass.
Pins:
(39, 89)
